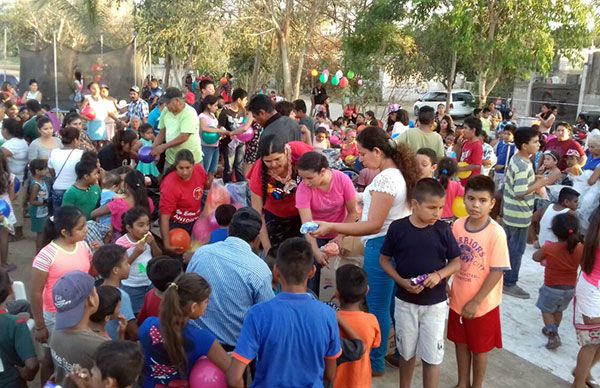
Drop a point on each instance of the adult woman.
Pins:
(546, 118)
(386, 199)
(15, 151)
(96, 128)
(273, 181)
(181, 192)
(41, 147)
(62, 163)
(12, 112)
(111, 108)
(119, 152)
(33, 93)
(72, 119)
(323, 195)
(446, 125)
(401, 124)
(562, 143)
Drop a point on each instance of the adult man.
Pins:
(178, 128)
(273, 123)
(315, 94)
(423, 136)
(239, 278)
(303, 118)
(155, 93)
(137, 106)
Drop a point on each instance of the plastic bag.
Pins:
(238, 192)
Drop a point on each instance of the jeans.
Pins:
(233, 159)
(211, 159)
(517, 241)
(57, 198)
(379, 299)
(314, 283)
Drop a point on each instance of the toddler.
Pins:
(111, 184)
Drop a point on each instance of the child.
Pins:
(446, 169)
(505, 149)
(562, 260)
(568, 200)
(161, 271)
(112, 264)
(111, 184)
(147, 139)
(352, 287)
(38, 200)
(85, 193)
(296, 323)
(587, 305)
(486, 120)
(321, 140)
(349, 152)
(489, 158)
(427, 162)
(471, 151)
(210, 124)
(173, 344)
(550, 168)
(421, 244)
(223, 215)
(476, 292)
(572, 160)
(19, 360)
(449, 145)
(109, 305)
(141, 247)
(7, 193)
(517, 204)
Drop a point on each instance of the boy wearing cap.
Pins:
(73, 342)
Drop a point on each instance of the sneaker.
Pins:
(553, 340)
(392, 360)
(516, 291)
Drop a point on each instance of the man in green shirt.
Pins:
(85, 193)
(423, 136)
(179, 128)
(30, 128)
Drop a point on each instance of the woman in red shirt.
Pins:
(564, 142)
(273, 181)
(181, 193)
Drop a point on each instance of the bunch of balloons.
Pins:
(338, 79)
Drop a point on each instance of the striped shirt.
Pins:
(239, 279)
(516, 206)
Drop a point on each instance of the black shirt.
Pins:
(110, 158)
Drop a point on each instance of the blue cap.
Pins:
(69, 294)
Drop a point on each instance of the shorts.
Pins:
(420, 330)
(588, 300)
(38, 224)
(96, 130)
(137, 295)
(480, 334)
(554, 300)
(211, 159)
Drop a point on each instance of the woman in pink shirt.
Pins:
(66, 251)
(323, 195)
(446, 169)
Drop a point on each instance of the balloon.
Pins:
(323, 78)
(335, 81)
(213, 221)
(350, 159)
(314, 72)
(360, 82)
(350, 74)
(144, 154)
(344, 83)
(246, 136)
(223, 81)
(210, 137)
(334, 140)
(205, 374)
(217, 195)
(88, 112)
(463, 174)
(202, 230)
(458, 207)
(339, 74)
(4, 208)
(326, 72)
(179, 239)
(17, 184)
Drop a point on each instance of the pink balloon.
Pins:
(344, 83)
(360, 82)
(218, 195)
(246, 136)
(202, 229)
(213, 221)
(205, 374)
(326, 71)
(334, 140)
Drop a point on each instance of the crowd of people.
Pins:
(444, 212)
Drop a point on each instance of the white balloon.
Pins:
(339, 74)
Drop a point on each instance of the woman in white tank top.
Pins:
(33, 93)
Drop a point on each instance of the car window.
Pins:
(462, 96)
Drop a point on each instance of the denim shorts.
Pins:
(554, 300)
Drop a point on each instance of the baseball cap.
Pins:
(247, 220)
(572, 152)
(172, 92)
(134, 88)
(69, 294)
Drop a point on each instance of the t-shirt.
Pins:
(389, 181)
(219, 234)
(591, 162)
(366, 176)
(283, 126)
(518, 207)
(414, 138)
(290, 336)
(481, 252)
(105, 197)
(118, 207)
(358, 373)
(280, 201)
(57, 261)
(30, 129)
(472, 153)
(546, 233)
(110, 159)
(63, 162)
(16, 346)
(454, 189)
(112, 327)
(419, 251)
(504, 152)
(309, 123)
(151, 306)
(561, 266)
(328, 205)
(562, 147)
(17, 162)
(212, 122)
(85, 200)
(38, 151)
(70, 348)
(157, 367)
(181, 199)
(153, 117)
(486, 124)
(137, 272)
(185, 121)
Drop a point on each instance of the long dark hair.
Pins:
(446, 169)
(211, 99)
(590, 243)
(312, 161)
(267, 145)
(132, 215)
(183, 155)
(404, 159)
(134, 182)
(65, 217)
(186, 289)
(69, 118)
(126, 137)
(566, 228)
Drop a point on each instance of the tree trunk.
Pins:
(450, 82)
(483, 92)
(168, 63)
(285, 67)
(256, 69)
(299, 71)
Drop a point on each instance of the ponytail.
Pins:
(136, 185)
(186, 289)
(446, 169)
(566, 228)
(65, 218)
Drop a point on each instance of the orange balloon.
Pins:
(223, 81)
(180, 239)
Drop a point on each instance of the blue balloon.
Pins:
(144, 155)
(4, 208)
(17, 184)
(411, 124)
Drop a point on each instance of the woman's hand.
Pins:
(321, 258)
(325, 229)
(41, 334)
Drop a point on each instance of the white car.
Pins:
(461, 102)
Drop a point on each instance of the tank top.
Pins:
(31, 95)
(546, 233)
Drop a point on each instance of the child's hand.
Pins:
(321, 258)
(407, 285)
(140, 247)
(81, 377)
(325, 228)
(95, 245)
(150, 239)
(470, 309)
(432, 280)
(122, 326)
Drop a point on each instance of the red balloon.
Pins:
(223, 81)
(344, 83)
(88, 112)
(180, 239)
(205, 374)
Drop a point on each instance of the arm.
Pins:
(235, 373)
(306, 135)
(205, 128)
(131, 331)
(594, 177)
(538, 255)
(244, 128)
(218, 356)
(6, 152)
(32, 197)
(330, 369)
(101, 211)
(164, 231)
(38, 282)
(154, 248)
(490, 282)
(320, 257)
(257, 204)
(30, 369)
(388, 268)
(436, 277)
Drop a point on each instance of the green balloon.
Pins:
(210, 137)
(350, 74)
(335, 81)
(323, 78)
